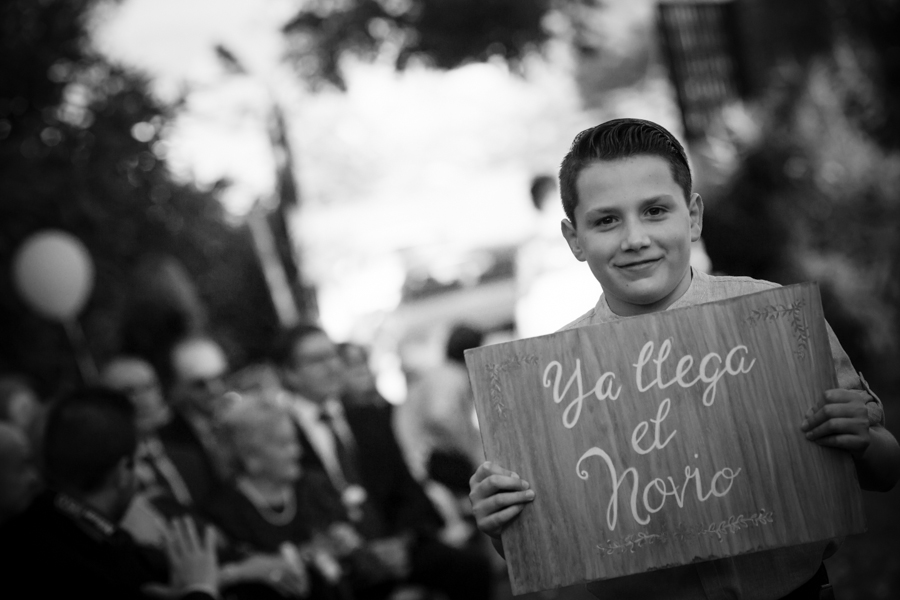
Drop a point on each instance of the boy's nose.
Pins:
(635, 236)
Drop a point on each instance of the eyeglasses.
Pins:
(141, 388)
(303, 360)
(204, 383)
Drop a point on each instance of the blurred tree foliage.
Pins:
(80, 151)
(440, 33)
(815, 192)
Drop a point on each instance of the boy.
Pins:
(626, 191)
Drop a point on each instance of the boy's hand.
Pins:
(497, 496)
(840, 420)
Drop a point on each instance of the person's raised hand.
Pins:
(840, 420)
(192, 559)
(498, 496)
(287, 577)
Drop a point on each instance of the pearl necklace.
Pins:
(265, 510)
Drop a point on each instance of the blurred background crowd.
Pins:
(185, 184)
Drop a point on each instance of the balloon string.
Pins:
(83, 358)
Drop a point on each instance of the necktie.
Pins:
(353, 494)
(346, 454)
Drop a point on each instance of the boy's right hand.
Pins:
(497, 496)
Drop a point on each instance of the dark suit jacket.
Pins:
(401, 506)
(190, 457)
(393, 493)
(47, 553)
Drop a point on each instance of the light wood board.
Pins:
(709, 464)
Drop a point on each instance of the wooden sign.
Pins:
(665, 439)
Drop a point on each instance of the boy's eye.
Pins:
(656, 211)
(604, 221)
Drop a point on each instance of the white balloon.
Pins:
(54, 274)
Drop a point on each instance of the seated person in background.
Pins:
(437, 426)
(137, 379)
(21, 407)
(197, 392)
(355, 449)
(359, 381)
(19, 477)
(67, 543)
(161, 490)
(438, 431)
(294, 518)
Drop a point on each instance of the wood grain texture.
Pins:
(666, 460)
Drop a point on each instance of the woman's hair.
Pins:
(246, 423)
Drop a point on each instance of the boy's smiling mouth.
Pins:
(639, 265)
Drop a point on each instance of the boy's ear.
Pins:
(695, 209)
(568, 231)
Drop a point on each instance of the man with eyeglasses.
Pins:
(196, 391)
(355, 446)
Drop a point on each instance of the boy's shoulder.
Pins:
(711, 288)
(588, 318)
(704, 288)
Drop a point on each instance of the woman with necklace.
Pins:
(259, 513)
(276, 508)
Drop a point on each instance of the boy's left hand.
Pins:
(840, 420)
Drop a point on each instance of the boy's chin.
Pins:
(648, 300)
(650, 292)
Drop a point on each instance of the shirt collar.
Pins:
(312, 411)
(603, 313)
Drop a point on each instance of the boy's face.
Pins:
(634, 229)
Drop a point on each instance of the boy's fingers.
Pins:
(841, 396)
(497, 521)
(809, 419)
(836, 411)
(497, 484)
(856, 445)
(838, 426)
(498, 503)
(485, 470)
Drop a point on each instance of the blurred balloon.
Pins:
(54, 274)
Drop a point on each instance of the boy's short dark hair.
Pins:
(618, 139)
(87, 432)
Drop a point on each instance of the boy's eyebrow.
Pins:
(602, 210)
(656, 198)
